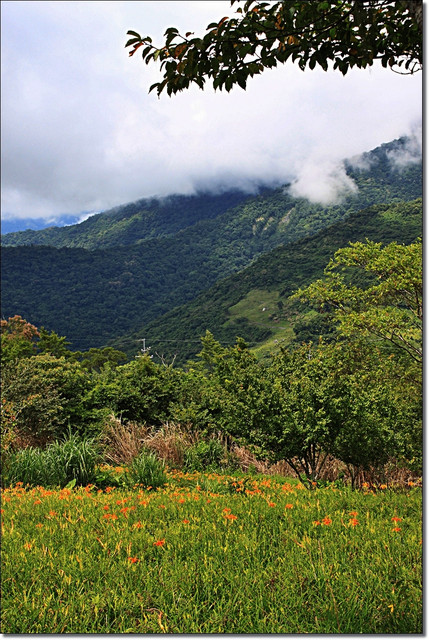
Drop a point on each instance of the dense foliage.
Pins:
(351, 398)
(338, 34)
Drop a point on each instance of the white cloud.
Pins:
(322, 181)
(80, 132)
(411, 152)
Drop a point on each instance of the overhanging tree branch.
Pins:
(340, 33)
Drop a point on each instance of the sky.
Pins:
(80, 133)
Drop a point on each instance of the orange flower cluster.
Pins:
(159, 543)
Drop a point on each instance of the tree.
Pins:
(96, 358)
(137, 391)
(387, 307)
(52, 343)
(46, 394)
(18, 339)
(341, 33)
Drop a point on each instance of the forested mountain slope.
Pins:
(272, 214)
(267, 284)
(131, 223)
(93, 295)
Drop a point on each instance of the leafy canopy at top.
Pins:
(343, 33)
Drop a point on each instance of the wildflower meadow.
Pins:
(212, 553)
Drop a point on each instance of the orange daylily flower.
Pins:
(327, 521)
(353, 522)
(396, 519)
(288, 506)
(159, 543)
(133, 560)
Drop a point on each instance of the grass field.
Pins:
(257, 306)
(212, 553)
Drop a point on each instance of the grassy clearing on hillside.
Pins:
(257, 307)
(212, 553)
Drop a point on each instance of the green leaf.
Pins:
(132, 41)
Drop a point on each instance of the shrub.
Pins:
(146, 470)
(46, 394)
(204, 455)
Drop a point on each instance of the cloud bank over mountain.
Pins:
(80, 132)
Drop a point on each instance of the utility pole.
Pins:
(144, 349)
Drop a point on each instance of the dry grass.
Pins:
(123, 442)
(169, 442)
(247, 461)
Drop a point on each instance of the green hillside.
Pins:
(122, 278)
(254, 303)
(131, 223)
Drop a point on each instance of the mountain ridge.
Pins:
(98, 294)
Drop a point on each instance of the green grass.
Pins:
(257, 307)
(63, 461)
(235, 554)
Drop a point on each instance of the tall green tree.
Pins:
(340, 33)
(375, 291)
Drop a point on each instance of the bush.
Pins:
(46, 394)
(146, 470)
(205, 455)
(73, 459)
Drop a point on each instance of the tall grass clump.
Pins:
(123, 441)
(146, 470)
(73, 459)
